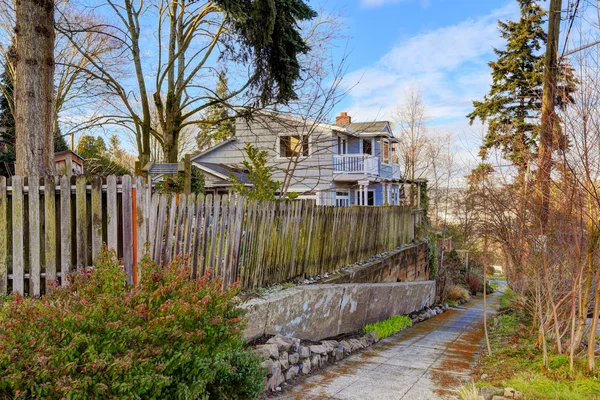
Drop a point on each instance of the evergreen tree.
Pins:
(219, 125)
(512, 106)
(60, 144)
(260, 175)
(97, 160)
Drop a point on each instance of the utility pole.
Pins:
(548, 115)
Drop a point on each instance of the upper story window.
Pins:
(385, 152)
(342, 146)
(293, 146)
(367, 146)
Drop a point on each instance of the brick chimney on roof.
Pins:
(343, 119)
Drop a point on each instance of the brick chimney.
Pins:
(343, 119)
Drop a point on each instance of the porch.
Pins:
(347, 167)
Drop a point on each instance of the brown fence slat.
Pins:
(142, 215)
(65, 229)
(172, 214)
(50, 232)
(160, 228)
(3, 237)
(96, 216)
(18, 264)
(127, 229)
(35, 273)
(81, 222)
(112, 216)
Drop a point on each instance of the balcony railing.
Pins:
(364, 164)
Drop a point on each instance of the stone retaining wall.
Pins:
(408, 264)
(316, 312)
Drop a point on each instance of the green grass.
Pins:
(508, 299)
(516, 362)
(389, 326)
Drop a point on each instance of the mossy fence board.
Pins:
(52, 227)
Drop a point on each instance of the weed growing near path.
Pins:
(458, 294)
(389, 326)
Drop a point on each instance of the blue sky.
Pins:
(441, 47)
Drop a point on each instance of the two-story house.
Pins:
(346, 163)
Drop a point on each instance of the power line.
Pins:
(571, 22)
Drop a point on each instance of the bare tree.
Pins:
(190, 42)
(411, 117)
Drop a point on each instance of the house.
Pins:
(68, 162)
(346, 163)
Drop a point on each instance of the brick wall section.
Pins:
(409, 264)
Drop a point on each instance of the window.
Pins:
(370, 198)
(385, 152)
(367, 146)
(342, 199)
(342, 146)
(293, 145)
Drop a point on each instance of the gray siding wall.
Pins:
(312, 173)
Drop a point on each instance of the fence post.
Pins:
(187, 164)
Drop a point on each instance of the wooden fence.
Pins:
(50, 228)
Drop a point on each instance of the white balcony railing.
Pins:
(364, 164)
(356, 163)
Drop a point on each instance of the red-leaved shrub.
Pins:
(473, 282)
(170, 337)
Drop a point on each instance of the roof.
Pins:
(170, 169)
(60, 153)
(224, 171)
(364, 127)
(212, 148)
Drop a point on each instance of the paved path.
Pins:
(428, 361)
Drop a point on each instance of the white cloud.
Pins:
(448, 64)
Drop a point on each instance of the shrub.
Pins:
(389, 326)
(169, 337)
(458, 293)
(474, 283)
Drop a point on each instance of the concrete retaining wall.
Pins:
(316, 312)
(409, 264)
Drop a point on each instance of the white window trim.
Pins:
(278, 147)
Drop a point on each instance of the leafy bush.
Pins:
(474, 283)
(458, 294)
(389, 326)
(169, 337)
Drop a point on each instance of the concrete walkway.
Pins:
(428, 361)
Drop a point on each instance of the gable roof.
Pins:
(213, 148)
(224, 171)
(368, 127)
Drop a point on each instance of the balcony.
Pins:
(365, 164)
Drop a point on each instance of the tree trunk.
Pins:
(548, 116)
(34, 87)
